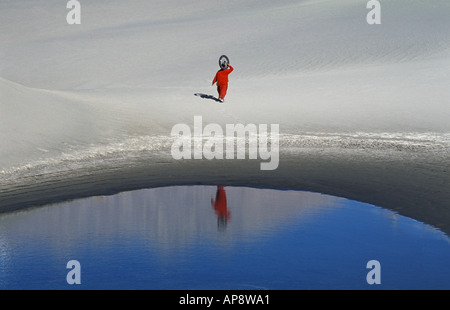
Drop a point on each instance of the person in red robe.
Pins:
(220, 206)
(221, 79)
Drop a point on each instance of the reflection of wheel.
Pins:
(223, 61)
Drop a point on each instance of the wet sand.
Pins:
(413, 184)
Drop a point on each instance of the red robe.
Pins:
(220, 204)
(222, 81)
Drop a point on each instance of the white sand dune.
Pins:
(117, 83)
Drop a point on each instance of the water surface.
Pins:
(210, 237)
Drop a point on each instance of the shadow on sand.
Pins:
(205, 96)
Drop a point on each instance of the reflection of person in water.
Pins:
(220, 206)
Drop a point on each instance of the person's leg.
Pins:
(223, 91)
(218, 90)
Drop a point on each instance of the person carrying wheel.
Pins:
(221, 79)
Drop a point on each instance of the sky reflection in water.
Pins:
(208, 237)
